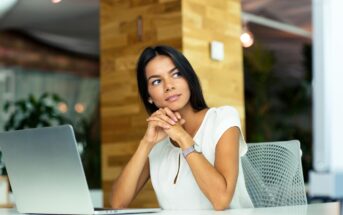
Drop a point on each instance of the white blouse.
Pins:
(185, 193)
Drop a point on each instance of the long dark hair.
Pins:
(196, 99)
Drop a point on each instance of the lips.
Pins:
(173, 97)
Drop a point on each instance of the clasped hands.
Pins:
(164, 122)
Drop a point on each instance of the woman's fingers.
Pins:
(178, 115)
(170, 113)
(168, 116)
(164, 118)
(156, 122)
(159, 112)
(182, 121)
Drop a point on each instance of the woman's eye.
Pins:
(177, 74)
(155, 82)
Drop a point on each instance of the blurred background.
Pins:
(50, 71)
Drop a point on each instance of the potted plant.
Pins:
(43, 111)
(33, 112)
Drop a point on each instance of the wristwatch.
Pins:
(192, 148)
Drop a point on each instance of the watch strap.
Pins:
(187, 151)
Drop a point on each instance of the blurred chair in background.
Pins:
(273, 174)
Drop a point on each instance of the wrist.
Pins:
(185, 141)
(191, 149)
(145, 146)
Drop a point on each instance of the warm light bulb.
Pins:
(56, 1)
(79, 107)
(247, 39)
(62, 107)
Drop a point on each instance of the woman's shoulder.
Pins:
(225, 108)
(224, 112)
(224, 117)
(228, 117)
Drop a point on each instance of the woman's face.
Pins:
(166, 86)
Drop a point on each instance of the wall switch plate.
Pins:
(217, 50)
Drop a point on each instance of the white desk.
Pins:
(313, 209)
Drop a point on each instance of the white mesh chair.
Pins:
(273, 174)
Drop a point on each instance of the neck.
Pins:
(187, 113)
(193, 119)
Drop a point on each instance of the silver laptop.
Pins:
(46, 173)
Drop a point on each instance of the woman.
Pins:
(190, 152)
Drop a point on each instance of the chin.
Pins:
(174, 109)
(176, 106)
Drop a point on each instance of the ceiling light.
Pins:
(247, 38)
(56, 1)
(80, 108)
(63, 107)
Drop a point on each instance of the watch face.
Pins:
(197, 148)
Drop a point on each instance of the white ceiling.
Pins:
(74, 24)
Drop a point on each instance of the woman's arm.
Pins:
(133, 177)
(217, 182)
(136, 172)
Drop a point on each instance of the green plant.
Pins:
(43, 111)
(258, 65)
(278, 108)
(34, 112)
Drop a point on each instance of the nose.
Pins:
(169, 86)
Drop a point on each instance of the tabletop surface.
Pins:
(332, 208)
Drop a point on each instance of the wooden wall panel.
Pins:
(122, 114)
(188, 25)
(205, 21)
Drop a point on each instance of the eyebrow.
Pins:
(157, 76)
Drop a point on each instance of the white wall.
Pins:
(328, 84)
(328, 98)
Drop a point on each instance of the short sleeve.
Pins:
(226, 118)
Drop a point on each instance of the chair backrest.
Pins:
(273, 174)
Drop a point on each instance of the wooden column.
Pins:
(127, 27)
(218, 20)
